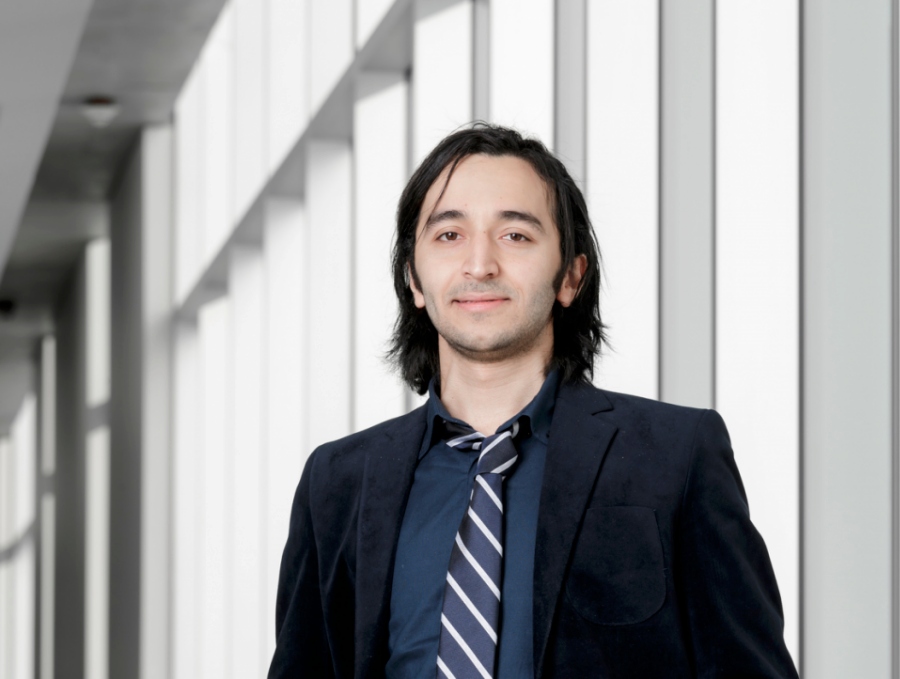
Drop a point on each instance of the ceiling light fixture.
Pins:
(99, 110)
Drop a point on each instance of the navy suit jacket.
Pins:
(646, 563)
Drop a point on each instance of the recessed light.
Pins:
(100, 110)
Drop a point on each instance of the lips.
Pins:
(480, 303)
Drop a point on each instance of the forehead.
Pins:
(479, 180)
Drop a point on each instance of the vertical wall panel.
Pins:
(47, 592)
(189, 215)
(23, 627)
(331, 45)
(847, 362)
(622, 170)
(24, 446)
(156, 433)
(97, 461)
(570, 115)
(249, 102)
(369, 14)
(329, 200)
(47, 516)
(98, 322)
(7, 580)
(96, 586)
(246, 280)
(521, 66)
(687, 193)
(757, 270)
(287, 76)
(286, 364)
(217, 514)
(218, 140)
(187, 505)
(442, 87)
(380, 135)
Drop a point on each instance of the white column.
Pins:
(441, 86)
(622, 186)
(188, 168)
(285, 249)
(369, 14)
(24, 448)
(329, 200)
(331, 43)
(758, 271)
(97, 460)
(187, 505)
(249, 102)
(47, 438)
(287, 77)
(217, 515)
(7, 581)
(521, 66)
(157, 412)
(380, 135)
(217, 61)
(247, 318)
(47, 575)
(96, 585)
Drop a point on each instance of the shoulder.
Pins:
(630, 411)
(345, 457)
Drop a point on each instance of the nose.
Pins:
(481, 260)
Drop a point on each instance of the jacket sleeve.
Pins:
(301, 640)
(730, 596)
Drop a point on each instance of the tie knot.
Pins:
(497, 452)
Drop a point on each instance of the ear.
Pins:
(572, 281)
(418, 297)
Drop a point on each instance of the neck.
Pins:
(484, 394)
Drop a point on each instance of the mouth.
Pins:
(480, 303)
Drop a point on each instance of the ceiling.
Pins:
(56, 170)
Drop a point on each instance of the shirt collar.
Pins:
(539, 412)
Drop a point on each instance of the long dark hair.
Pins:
(578, 331)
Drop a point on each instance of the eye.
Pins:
(516, 237)
(448, 236)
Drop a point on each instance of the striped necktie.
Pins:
(471, 613)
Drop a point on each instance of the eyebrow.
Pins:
(505, 215)
(444, 216)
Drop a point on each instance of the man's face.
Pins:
(486, 256)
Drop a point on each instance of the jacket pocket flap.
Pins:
(617, 576)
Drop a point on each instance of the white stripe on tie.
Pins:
(486, 531)
(477, 567)
(474, 611)
(492, 444)
(453, 443)
(489, 491)
(465, 647)
(446, 670)
(506, 465)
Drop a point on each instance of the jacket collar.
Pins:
(575, 453)
(387, 478)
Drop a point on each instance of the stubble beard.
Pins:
(519, 339)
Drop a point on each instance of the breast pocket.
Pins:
(617, 575)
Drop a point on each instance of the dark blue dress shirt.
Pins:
(437, 501)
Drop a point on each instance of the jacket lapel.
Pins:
(386, 482)
(575, 453)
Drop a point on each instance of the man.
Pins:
(522, 523)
